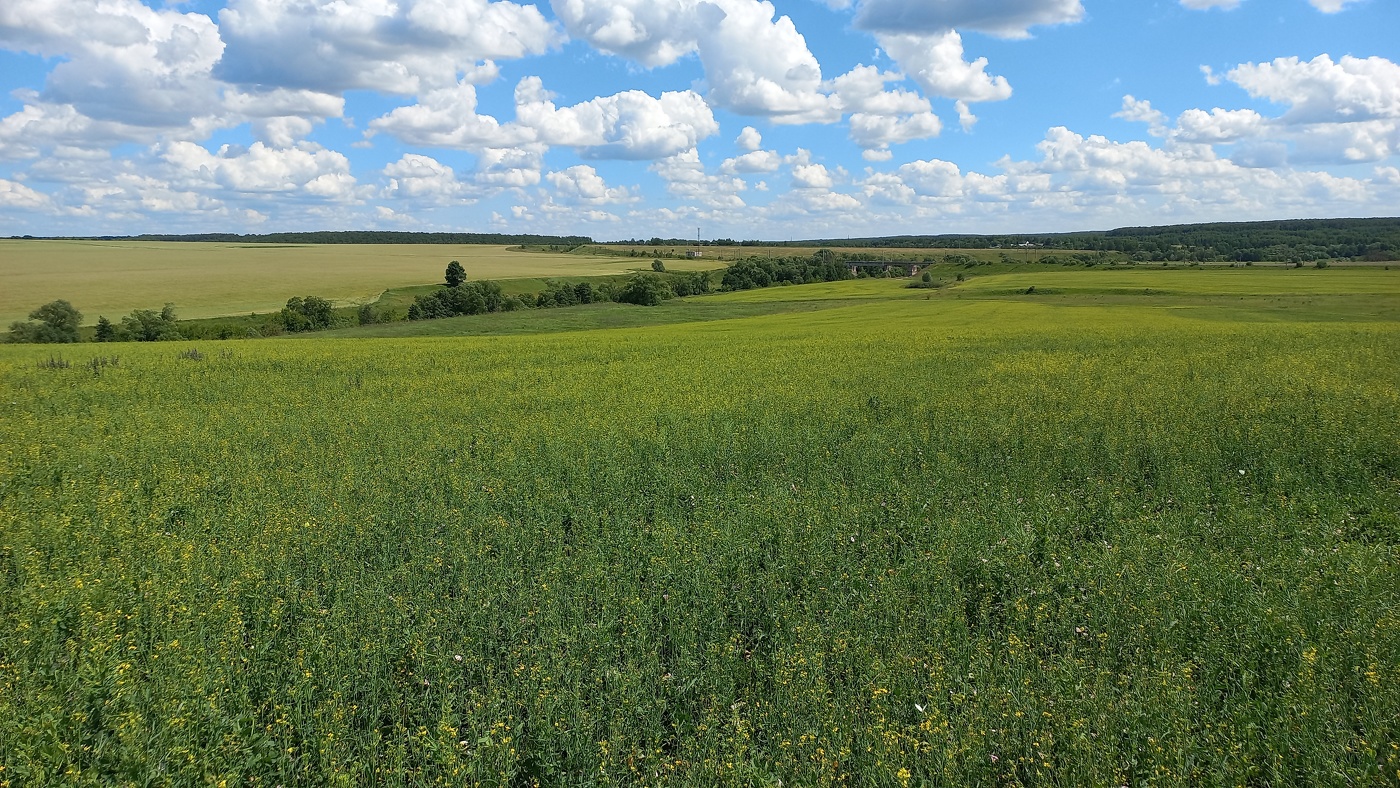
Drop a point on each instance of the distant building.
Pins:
(694, 253)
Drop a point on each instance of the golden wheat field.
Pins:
(212, 279)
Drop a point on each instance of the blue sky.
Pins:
(739, 118)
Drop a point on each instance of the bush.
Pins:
(306, 314)
(145, 325)
(58, 323)
(645, 290)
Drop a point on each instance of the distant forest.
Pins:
(1303, 240)
(1296, 241)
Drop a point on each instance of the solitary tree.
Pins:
(106, 332)
(658, 266)
(455, 275)
(58, 322)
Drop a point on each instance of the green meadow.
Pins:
(848, 534)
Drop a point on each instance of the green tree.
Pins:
(658, 266)
(106, 332)
(145, 325)
(645, 290)
(455, 274)
(311, 313)
(58, 323)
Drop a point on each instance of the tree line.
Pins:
(1295, 241)
(460, 297)
(59, 321)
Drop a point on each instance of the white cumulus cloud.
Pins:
(17, 195)
(936, 63)
(1322, 90)
(628, 125)
(416, 176)
(1005, 18)
(307, 168)
(405, 47)
(582, 184)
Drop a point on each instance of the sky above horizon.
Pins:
(738, 119)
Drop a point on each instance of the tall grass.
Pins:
(905, 543)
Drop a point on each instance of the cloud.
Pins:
(307, 169)
(811, 176)
(882, 117)
(408, 47)
(511, 167)
(651, 32)
(753, 162)
(1004, 18)
(1320, 90)
(1325, 6)
(1331, 6)
(36, 127)
(447, 118)
(1083, 179)
(1200, 5)
(687, 179)
(935, 62)
(629, 125)
(1187, 177)
(809, 202)
(1338, 113)
(126, 72)
(756, 63)
(749, 139)
(878, 132)
(582, 184)
(1141, 111)
(416, 176)
(17, 195)
(1218, 125)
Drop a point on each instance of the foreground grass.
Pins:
(952, 542)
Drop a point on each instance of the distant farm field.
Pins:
(212, 279)
(873, 253)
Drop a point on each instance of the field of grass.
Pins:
(1192, 281)
(213, 279)
(954, 541)
(729, 253)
